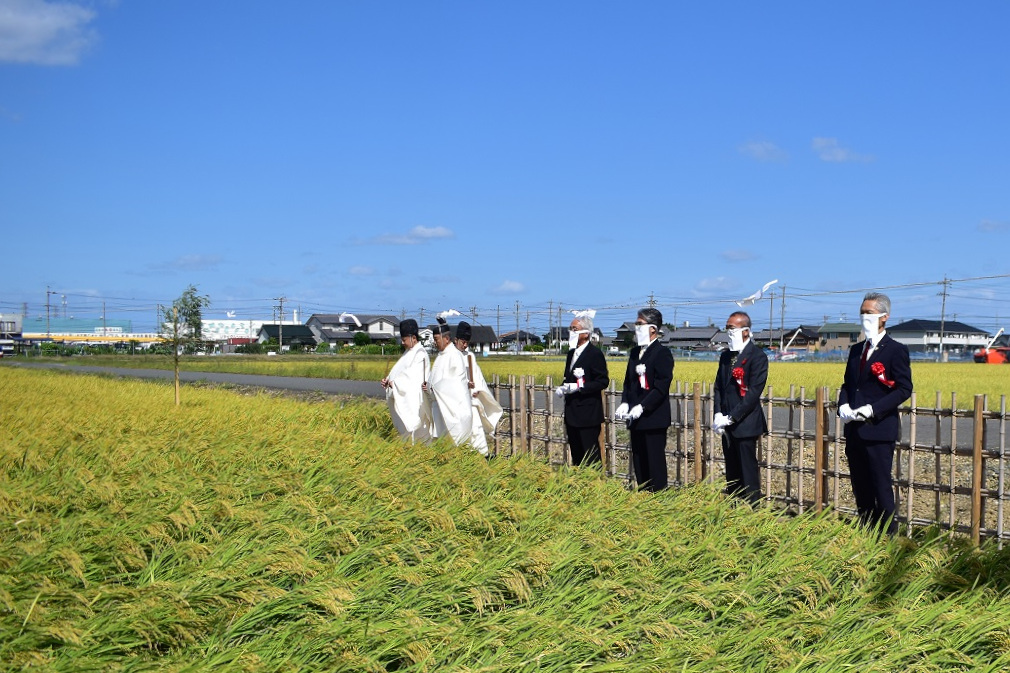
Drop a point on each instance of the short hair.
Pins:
(651, 316)
(743, 314)
(880, 300)
(585, 321)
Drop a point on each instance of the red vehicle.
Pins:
(1000, 355)
(993, 356)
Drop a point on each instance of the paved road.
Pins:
(298, 383)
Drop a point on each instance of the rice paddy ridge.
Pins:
(263, 533)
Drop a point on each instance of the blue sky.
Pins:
(383, 157)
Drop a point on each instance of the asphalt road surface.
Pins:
(296, 383)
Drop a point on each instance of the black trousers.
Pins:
(648, 454)
(743, 479)
(584, 444)
(870, 465)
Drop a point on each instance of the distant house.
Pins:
(802, 338)
(293, 335)
(10, 332)
(692, 338)
(834, 336)
(338, 329)
(625, 334)
(525, 338)
(924, 336)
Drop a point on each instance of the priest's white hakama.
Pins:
(486, 410)
(449, 396)
(405, 397)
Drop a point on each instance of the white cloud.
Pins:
(361, 271)
(44, 33)
(719, 285)
(738, 255)
(440, 279)
(993, 225)
(828, 149)
(509, 287)
(762, 150)
(415, 236)
(431, 232)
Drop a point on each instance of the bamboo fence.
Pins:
(949, 466)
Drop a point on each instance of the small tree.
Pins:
(182, 327)
(362, 339)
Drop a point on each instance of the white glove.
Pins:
(846, 414)
(863, 413)
(566, 389)
(721, 422)
(635, 412)
(622, 412)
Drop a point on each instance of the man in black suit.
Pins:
(878, 379)
(645, 400)
(739, 384)
(586, 377)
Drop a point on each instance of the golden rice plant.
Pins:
(257, 533)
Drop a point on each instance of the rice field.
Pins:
(257, 533)
(965, 379)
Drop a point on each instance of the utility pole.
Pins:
(652, 300)
(782, 321)
(518, 349)
(771, 318)
(498, 331)
(280, 324)
(421, 311)
(403, 314)
(550, 324)
(49, 293)
(943, 315)
(105, 328)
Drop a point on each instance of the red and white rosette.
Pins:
(580, 376)
(880, 372)
(642, 382)
(738, 377)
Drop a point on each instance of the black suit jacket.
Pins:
(864, 387)
(584, 407)
(655, 400)
(745, 410)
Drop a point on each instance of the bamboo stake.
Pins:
(820, 447)
(603, 430)
(953, 468)
(768, 451)
(911, 463)
(976, 468)
(1002, 468)
(802, 444)
(699, 467)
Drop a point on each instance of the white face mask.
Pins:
(736, 339)
(573, 339)
(871, 324)
(642, 335)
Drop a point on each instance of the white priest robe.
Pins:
(405, 397)
(486, 410)
(449, 396)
